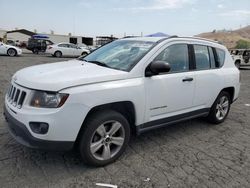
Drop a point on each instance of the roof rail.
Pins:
(166, 38)
(130, 37)
(199, 38)
(172, 36)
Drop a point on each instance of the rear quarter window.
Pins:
(221, 56)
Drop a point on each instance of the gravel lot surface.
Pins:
(190, 154)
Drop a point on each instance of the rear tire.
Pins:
(58, 54)
(104, 138)
(12, 52)
(237, 64)
(220, 108)
(35, 51)
(84, 54)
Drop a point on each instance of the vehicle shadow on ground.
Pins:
(147, 149)
(71, 159)
(64, 57)
(244, 68)
(28, 54)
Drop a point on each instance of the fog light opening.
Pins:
(39, 127)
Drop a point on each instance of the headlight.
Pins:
(42, 99)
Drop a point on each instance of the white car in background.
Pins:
(240, 57)
(66, 50)
(9, 50)
(84, 46)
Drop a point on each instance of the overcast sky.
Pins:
(106, 17)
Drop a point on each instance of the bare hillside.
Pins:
(228, 38)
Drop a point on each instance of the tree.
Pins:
(242, 44)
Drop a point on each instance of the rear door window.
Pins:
(72, 46)
(201, 57)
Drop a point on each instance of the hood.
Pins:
(57, 76)
(10, 46)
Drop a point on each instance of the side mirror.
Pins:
(157, 67)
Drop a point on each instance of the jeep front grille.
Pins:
(16, 96)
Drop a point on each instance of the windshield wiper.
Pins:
(98, 63)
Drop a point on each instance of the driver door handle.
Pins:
(188, 79)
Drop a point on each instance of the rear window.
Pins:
(220, 56)
(32, 40)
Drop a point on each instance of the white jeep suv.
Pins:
(129, 85)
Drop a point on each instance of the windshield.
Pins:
(120, 54)
(240, 52)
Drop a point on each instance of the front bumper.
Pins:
(19, 52)
(22, 135)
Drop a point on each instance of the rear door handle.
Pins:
(188, 79)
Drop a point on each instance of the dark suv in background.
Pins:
(38, 45)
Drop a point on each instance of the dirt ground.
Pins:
(189, 154)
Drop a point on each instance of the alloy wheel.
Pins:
(107, 140)
(222, 108)
(11, 52)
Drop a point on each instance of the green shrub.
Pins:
(242, 44)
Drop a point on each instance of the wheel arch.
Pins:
(58, 51)
(231, 91)
(12, 49)
(126, 108)
(84, 52)
(237, 61)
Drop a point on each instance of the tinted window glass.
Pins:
(63, 45)
(221, 56)
(72, 46)
(32, 41)
(48, 42)
(201, 57)
(212, 59)
(177, 57)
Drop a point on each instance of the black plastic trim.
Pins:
(235, 100)
(217, 63)
(171, 120)
(22, 135)
(192, 61)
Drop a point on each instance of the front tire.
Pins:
(104, 138)
(35, 51)
(11, 52)
(220, 108)
(58, 54)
